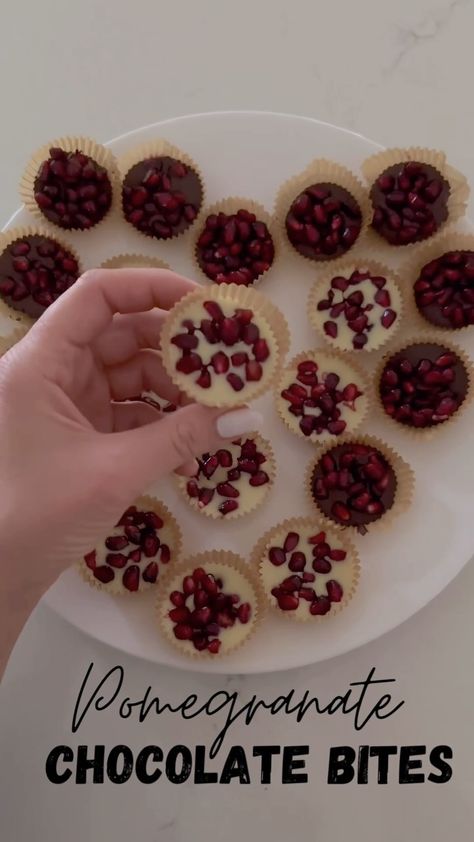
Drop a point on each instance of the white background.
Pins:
(400, 73)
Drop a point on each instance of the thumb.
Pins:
(144, 455)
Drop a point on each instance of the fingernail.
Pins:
(237, 422)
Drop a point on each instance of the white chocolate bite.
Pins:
(345, 572)
(341, 407)
(244, 496)
(220, 392)
(377, 315)
(232, 581)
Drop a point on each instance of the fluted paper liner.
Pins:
(360, 379)
(376, 164)
(145, 503)
(134, 261)
(100, 154)
(238, 297)
(335, 538)
(212, 562)
(156, 149)
(344, 268)
(320, 171)
(449, 240)
(426, 433)
(269, 467)
(230, 206)
(404, 476)
(6, 239)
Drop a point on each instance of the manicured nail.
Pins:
(238, 421)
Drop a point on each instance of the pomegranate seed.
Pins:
(104, 574)
(321, 605)
(116, 559)
(213, 646)
(214, 310)
(321, 565)
(116, 542)
(297, 562)
(188, 585)
(243, 612)
(165, 554)
(150, 574)
(183, 632)
(334, 590)
(189, 364)
(192, 488)
(131, 578)
(276, 556)
(90, 559)
(225, 489)
(185, 341)
(224, 458)
(204, 379)
(235, 381)
(337, 555)
(317, 539)
(220, 363)
(205, 496)
(177, 599)
(253, 371)
(228, 506)
(260, 478)
(291, 541)
(288, 602)
(341, 512)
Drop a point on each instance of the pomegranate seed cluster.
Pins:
(34, 271)
(161, 196)
(357, 311)
(231, 479)
(321, 397)
(323, 222)
(444, 291)
(204, 611)
(423, 385)
(308, 578)
(72, 190)
(410, 202)
(234, 248)
(353, 484)
(133, 552)
(221, 345)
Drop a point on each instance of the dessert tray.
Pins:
(397, 568)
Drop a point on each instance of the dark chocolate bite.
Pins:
(34, 272)
(323, 222)
(410, 202)
(353, 484)
(234, 248)
(72, 190)
(161, 196)
(423, 385)
(444, 290)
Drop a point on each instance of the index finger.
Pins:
(82, 313)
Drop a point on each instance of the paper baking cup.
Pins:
(6, 240)
(449, 240)
(269, 467)
(425, 433)
(115, 587)
(334, 537)
(364, 402)
(320, 171)
(134, 261)
(237, 297)
(214, 561)
(375, 165)
(405, 482)
(156, 149)
(100, 154)
(231, 206)
(345, 268)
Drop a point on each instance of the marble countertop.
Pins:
(395, 72)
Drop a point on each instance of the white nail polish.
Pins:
(239, 421)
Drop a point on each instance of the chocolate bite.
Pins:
(423, 385)
(161, 196)
(323, 222)
(34, 271)
(72, 190)
(234, 248)
(410, 202)
(353, 484)
(444, 290)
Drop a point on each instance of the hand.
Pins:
(72, 458)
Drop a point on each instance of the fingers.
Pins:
(143, 373)
(131, 416)
(127, 334)
(157, 449)
(84, 312)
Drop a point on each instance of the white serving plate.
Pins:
(404, 567)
